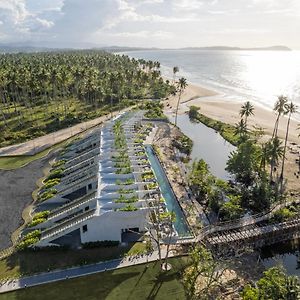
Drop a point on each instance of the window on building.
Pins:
(90, 186)
(84, 228)
(86, 208)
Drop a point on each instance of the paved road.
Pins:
(78, 271)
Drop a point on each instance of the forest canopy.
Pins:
(44, 92)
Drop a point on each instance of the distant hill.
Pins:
(272, 48)
(24, 47)
(124, 49)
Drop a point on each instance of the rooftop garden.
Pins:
(29, 239)
(148, 175)
(39, 218)
(123, 199)
(47, 194)
(128, 181)
(128, 207)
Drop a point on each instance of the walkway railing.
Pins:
(242, 222)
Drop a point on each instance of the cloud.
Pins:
(159, 22)
(18, 22)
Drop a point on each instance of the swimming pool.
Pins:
(180, 223)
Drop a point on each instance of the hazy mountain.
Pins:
(27, 47)
(272, 48)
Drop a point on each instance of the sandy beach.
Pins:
(212, 105)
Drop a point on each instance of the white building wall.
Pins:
(108, 226)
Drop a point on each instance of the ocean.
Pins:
(256, 76)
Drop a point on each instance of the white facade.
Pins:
(99, 216)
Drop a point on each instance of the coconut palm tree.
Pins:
(276, 152)
(279, 108)
(265, 155)
(182, 84)
(175, 70)
(241, 129)
(247, 110)
(291, 108)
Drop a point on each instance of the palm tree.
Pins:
(276, 152)
(182, 84)
(265, 155)
(280, 109)
(241, 128)
(175, 70)
(291, 108)
(247, 110)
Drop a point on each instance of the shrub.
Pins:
(50, 183)
(128, 207)
(47, 194)
(57, 173)
(122, 199)
(39, 218)
(29, 239)
(59, 163)
(284, 214)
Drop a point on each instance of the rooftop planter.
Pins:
(146, 176)
(126, 191)
(141, 153)
(47, 194)
(123, 164)
(123, 199)
(39, 218)
(59, 163)
(128, 181)
(151, 186)
(56, 173)
(123, 171)
(51, 183)
(29, 239)
(128, 207)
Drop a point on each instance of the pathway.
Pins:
(58, 275)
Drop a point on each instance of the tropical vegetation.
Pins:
(43, 92)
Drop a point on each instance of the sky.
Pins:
(150, 23)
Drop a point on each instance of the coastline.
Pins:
(214, 106)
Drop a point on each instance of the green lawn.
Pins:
(30, 262)
(18, 161)
(137, 282)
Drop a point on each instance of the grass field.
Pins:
(30, 262)
(15, 162)
(137, 282)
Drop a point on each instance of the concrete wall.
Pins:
(109, 226)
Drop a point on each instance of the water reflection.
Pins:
(208, 144)
(283, 254)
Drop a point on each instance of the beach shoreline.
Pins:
(217, 107)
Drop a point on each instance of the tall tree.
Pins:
(291, 108)
(182, 84)
(175, 70)
(247, 110)
(279, 108)
(241, 130)
(276, 153)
